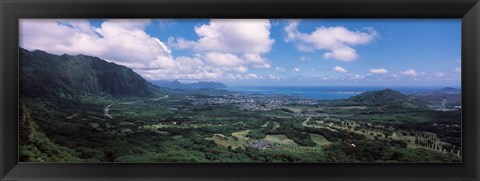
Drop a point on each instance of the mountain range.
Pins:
(448, 90)
(44, 74)
(452, 96)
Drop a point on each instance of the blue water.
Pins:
(323, 92)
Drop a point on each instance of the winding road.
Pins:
(105, 111)
(107, 108)
(160, 98)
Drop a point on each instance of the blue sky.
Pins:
(365, 52)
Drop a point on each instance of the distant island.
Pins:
(449, 90)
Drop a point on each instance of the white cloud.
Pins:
(238, 36)
(336, 41)
(59, 37)
(378, 71)
(253, 76)
(345, 54)
(281, 69)
(439, 74)
(241, 69)
(246, 39)
(223, 47)
(180, 43)
(239, 77)
(222, 59)
(292, 30)
(119, 41)
(273, 77)
(257, 60)
(457, 70)
(186, 68)
(340, 69)
(303, 58)
(295, 69)
(409, 72)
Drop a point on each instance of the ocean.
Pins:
(324, 92)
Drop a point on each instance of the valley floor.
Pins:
(237, 128)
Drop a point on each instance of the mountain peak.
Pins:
(448, 90)
(386, 97)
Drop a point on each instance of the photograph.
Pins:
(240, 90)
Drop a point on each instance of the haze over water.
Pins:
(326, 92)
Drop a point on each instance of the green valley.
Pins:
(84, 109)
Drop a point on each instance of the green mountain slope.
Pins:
(35, 146)
(448, 90)
(387, 98)
(44, 74)
(435, 98)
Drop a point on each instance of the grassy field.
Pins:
(319, 139)
(280, 139)
(238, 139)
(241, 134)
(283, 143)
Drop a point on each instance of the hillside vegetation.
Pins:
(84, 109)
(47, 75)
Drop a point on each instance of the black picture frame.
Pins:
(12, 11)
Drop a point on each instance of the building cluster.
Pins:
(259, 102)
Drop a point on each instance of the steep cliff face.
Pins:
(25, 123)
(44, 74)
(35, 146)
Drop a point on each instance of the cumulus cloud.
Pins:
(60, 36)
(344, 53)
(409, 72)
(340, 69)
(235, 36)
(256, 60)
(336, 41)
(180, 43)
(119, 41)
(378, 71)
(185, 68)
(222, 59)
(248, 40)
(223, 47)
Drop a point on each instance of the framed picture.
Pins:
(239, 90)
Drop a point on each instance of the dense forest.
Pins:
(84, 109)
